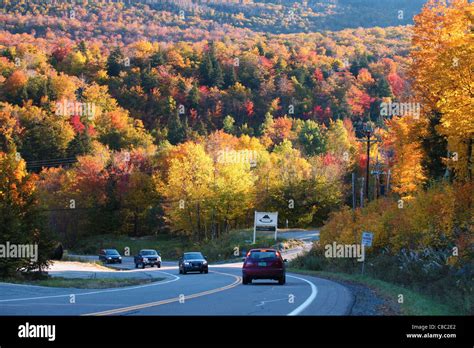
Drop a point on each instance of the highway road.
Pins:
(218, 293)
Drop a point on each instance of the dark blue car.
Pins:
(110, 256)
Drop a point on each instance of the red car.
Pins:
(263, 264)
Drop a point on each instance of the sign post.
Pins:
(367, 238)
(254, 227)
(265, 221)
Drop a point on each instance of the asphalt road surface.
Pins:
(299, 234)
(218, 293)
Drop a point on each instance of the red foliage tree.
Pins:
(359, 101)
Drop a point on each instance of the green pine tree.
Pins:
(228, 124)
(115, 62)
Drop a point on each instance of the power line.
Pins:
(50, 162)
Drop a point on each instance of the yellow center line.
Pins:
(171, 300)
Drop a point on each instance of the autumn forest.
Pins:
(183, 117)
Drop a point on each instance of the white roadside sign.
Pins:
(265, 221)
(367, 238)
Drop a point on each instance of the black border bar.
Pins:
(229, 330)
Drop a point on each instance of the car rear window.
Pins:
(263, 255)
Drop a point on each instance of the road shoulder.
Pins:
(367, 301)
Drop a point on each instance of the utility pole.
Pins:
(378, 170)
(368, 166)
(254, 227)
(376, 173)
(369, 139)
(389, 172)
(353, 192)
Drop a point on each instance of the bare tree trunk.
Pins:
(135, 224)
(191, 220)
(199, 221)
(469, 159)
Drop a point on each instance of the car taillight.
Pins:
(275, 263)
(248, 263)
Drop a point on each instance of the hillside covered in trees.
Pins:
(185, 117)
(168, 20)
(291, 101)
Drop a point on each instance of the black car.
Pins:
(147, 257)
(193, 262)
(110, 256)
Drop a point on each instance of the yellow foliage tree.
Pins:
(187, 186)
(407, 171)
(443, 66)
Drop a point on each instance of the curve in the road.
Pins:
(128, 288)
(315, 296)
(237, 281)
(302, 307)
(308, 301)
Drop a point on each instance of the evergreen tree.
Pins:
(267, 124)
(361, 61)
(206, 70)
(435, 147)
(228, 124)
(80, 145)
(176, 130)
(211, 70)
(230, 77)
(217, 75)
(115, 62)
(383, 88)
(312, 138)
(201, 128)
(82, 47)
(157, 59)
(193, 97)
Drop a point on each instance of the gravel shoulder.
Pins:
(367, 301)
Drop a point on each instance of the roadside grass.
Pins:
(171, 247)
(234, 245)
(70, 258)
(83, 283)
(414, 303)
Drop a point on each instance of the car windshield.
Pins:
(148, 252)
(263, 255)
(111, 252)
(193, 256)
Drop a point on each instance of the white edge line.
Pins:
(92, 292)
(296, 311)
(212, 291)
(309, 300)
